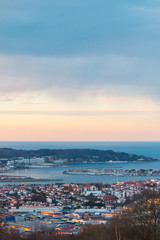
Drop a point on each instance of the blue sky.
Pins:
(85, 57)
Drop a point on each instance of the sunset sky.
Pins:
(80, 70)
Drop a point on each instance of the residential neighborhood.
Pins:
(66, 207)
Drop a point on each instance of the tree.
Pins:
(141, 221)
(146, 216)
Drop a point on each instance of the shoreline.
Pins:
(29, 180)
(114, 172)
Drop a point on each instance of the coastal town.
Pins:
(7, 164)
(31, 204)
(66, 207)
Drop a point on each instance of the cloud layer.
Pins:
(86, 27)
(71, 47)
(106, 75)
(79, 70)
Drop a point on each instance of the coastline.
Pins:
(29, 180)
(113, 172)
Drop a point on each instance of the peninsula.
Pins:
(12, 158)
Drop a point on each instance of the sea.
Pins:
(150, 149)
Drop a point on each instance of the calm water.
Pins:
(151, 149)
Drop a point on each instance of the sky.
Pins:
(79, 70)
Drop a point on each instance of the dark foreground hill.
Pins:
(73, 155)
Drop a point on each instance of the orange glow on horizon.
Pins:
(139, 127)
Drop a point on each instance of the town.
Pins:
(66, 207)
(7, 164)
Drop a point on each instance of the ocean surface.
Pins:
(150, 149)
